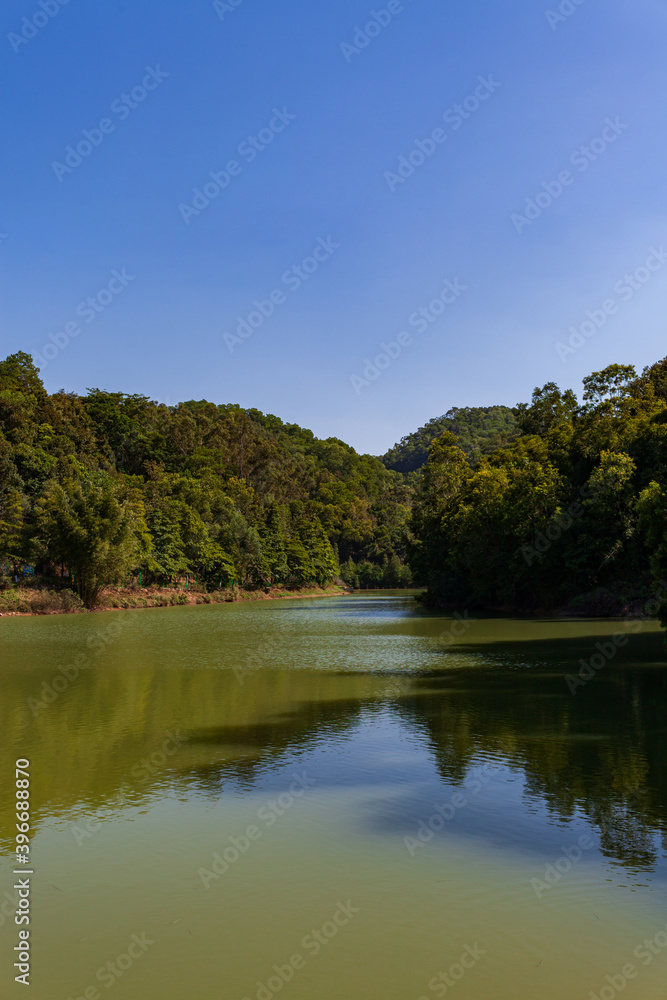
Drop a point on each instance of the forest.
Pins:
(568, 516)
(479, 429)
(99, 488)
(553, 505)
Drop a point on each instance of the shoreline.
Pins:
(39, 602)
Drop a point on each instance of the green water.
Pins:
(305, 742)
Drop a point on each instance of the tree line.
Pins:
(553, 504)
(108, 486)
(479, 429)
(572, 513)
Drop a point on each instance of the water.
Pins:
(242, 787)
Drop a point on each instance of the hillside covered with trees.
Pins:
(479, 429)
(573, 512)
(553, 505)
(105, 486)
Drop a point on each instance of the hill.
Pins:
(480, 430)
(571, 515)
(108, 485)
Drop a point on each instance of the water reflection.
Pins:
(436, 710)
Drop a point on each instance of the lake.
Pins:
(346, 799)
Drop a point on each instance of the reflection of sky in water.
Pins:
(390, 720)
(422, 712)
(380, 775)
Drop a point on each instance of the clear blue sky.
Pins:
(347, 113)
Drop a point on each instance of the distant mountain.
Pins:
(480, 430)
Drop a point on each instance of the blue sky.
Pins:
(333, 111)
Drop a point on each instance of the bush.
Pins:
(392, 574)
(599, 603)
(12, 600)
(39, 602)
(70, 601)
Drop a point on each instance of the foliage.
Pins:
(96, 526)
(480, 430)
(537, 507)
(652, 510)
(576, 504)
(107, 485)
(365, 575)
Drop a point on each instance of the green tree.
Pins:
(443, 480)
(324, 558)
(652, 511)
(479, 429)
(299, 561)
(548, 408)
(14, 536)
(611, 506)
(611, 385)
(96, 526)
(274, 544)
(19, 374)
